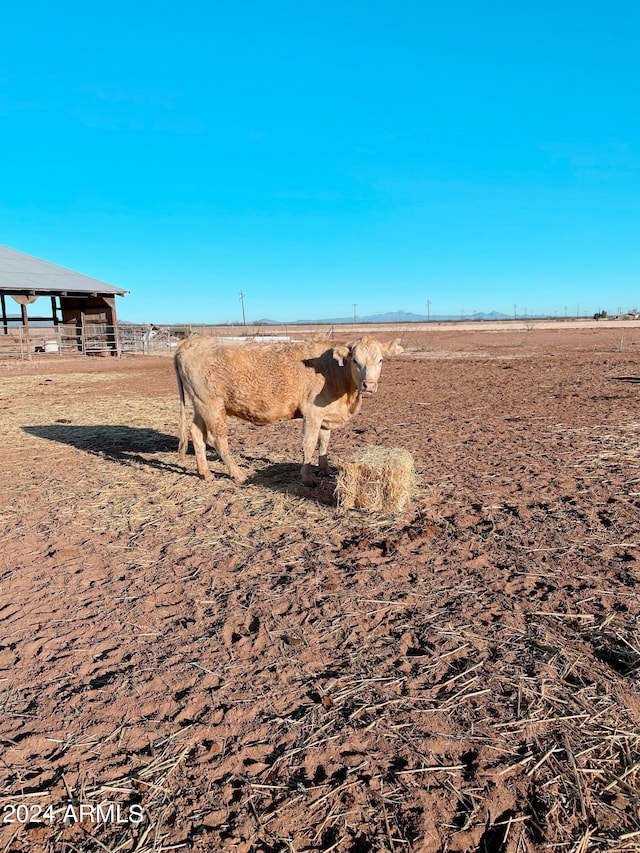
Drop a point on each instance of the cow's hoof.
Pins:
(330, 472)
(309, 484)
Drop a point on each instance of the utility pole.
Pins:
(428, 306)
(244, 322)
(355, 305)
(515, 311)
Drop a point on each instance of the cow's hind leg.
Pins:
(216, 419)
(198, 433)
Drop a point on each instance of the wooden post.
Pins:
(25, 323)
(4, 314)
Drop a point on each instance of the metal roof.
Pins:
(20, 273)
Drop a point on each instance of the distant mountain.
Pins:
(387, 317)
(491, 315)
(391, 317)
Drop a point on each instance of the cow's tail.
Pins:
(182, 424)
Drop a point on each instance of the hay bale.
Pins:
(377, 478)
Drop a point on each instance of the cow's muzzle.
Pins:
(369, 387)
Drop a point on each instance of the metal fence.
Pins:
(17, 341)
(28, 342)
(34, 341)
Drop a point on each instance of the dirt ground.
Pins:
(206, 667)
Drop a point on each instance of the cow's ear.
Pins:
(392, 347)
(340, 353)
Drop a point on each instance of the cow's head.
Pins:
(363, 358)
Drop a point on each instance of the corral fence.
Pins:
(162, 339)
(29, 342)
(34, 341)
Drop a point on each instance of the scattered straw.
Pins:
(377, 478)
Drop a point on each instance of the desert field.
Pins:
(206, 667)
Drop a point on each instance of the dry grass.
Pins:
(378, 479)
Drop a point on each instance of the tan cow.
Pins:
(321, 382)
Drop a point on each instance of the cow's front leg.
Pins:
(310, 432)
(323, 446)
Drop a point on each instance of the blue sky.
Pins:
(478, 155)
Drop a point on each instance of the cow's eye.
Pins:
(357, 363)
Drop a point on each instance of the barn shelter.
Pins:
(76, 313)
